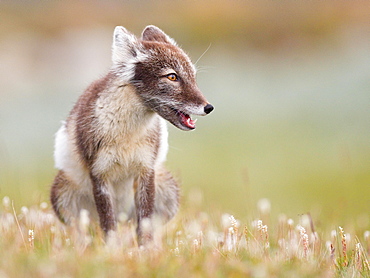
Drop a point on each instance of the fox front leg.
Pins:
(144, 202)
(104, 204)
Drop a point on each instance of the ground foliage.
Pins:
(35, 244)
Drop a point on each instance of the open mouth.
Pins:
(185, 119)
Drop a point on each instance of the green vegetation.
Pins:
(35, 244)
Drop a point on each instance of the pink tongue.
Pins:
(187, 121)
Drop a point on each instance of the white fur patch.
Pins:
(195, 110)
(67, 159)
(163, 145)
(60, 151)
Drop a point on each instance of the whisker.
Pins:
(210, 44)
(204, 69)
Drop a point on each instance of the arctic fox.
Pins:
(111, 149)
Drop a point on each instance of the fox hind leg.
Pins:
(56, 195)
(67, 201)
(166, 195)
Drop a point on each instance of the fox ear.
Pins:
(153, 33)
(125, 45)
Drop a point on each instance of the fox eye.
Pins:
(172, 77)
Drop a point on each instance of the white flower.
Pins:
(264, 206)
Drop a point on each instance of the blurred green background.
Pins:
(290, 82)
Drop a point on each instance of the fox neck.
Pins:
(120, 111)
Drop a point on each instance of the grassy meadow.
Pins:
(275, 182)
(194, 244)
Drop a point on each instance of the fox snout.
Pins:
(208, 108)
(182, 118)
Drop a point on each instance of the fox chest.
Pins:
(126, 158)
(130, 136)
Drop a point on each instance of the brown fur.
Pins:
(58, 184)
(87, 139)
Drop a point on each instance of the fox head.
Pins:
(162, 73)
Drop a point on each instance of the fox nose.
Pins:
(208, 108)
